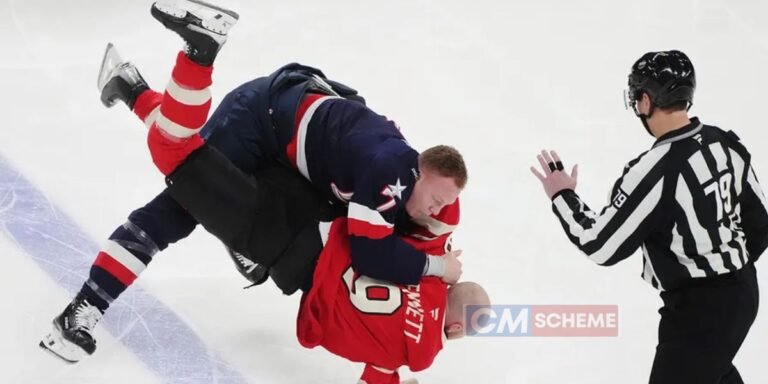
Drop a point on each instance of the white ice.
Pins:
(497, 79)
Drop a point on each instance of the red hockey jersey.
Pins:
(372, 321)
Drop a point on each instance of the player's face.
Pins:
(431, 194)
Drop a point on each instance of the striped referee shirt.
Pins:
(692, 203)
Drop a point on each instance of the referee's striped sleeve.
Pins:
(620, 228)
(754, 215)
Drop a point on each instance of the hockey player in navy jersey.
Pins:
(295, 119)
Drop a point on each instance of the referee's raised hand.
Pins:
(553, 178)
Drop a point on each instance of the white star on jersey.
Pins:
(395, 190)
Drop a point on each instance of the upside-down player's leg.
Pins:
(123, 257)
(150, 229)
(187, 98)
(182, 113)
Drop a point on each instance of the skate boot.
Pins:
(119, 80)
(257, 274)
(203, 26)
(72, 338)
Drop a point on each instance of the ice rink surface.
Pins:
(497, 79)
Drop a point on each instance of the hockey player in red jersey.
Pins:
(384, 325)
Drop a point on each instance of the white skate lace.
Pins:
(86, 316)
(247, 264)
(188, 50)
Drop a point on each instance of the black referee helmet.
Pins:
(666, 76)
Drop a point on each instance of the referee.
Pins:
(693, 204)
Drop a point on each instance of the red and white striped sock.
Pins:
(175, 125)
(147, 106)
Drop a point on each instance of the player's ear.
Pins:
(454, 331)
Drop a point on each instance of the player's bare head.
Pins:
(442, 176)
(445, 161)
(459, 296)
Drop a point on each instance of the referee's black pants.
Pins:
(702, 327)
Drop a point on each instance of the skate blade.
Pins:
(109, 62)
(62, 349)
(212, 18)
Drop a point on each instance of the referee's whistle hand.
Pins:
(553, 178)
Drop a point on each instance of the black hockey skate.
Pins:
(72, 338)
(256, 273)
(203, 26)
(119, 80)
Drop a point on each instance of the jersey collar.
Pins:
(679, 134)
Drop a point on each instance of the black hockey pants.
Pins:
(703, 326)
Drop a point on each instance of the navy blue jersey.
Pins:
(351, 154)
(360, 158)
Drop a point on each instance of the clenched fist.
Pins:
(452, 267)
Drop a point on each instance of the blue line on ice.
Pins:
(149, 329)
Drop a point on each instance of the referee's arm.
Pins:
(616, 232)
(754, 213)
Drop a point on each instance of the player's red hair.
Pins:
(446, 161)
